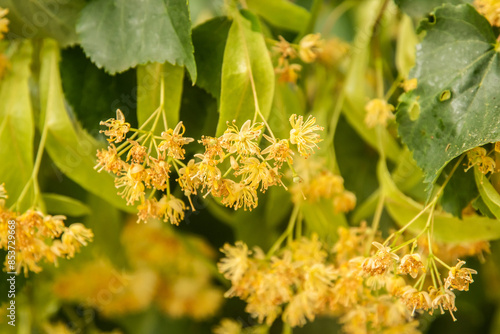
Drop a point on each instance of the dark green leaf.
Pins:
(94, 94)
(420, 8)
(69, 146)
(458, 71)
(459, 192)
(150, 79)
(247, 73)
(281, 13)
(44, 18)
(121, 34)
(64, 205)
(16, 123)
(209, 40)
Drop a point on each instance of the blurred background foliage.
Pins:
(157, 278)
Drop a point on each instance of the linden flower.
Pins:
(411, 264)
(76, 236)
(378, 112)
(254, 171)
(409, 85)
(444, 299)
(4, 22)
(477, 157)
(459, 278)
(236, 262)
(240, 196)
(284, 49)
(489, 9)
(303, 135)
(158, 173)
(132, 183)
(300, 307)
(228, 326)
(309, 47)
(109, 160)
(279, 150)
(381, 261)
(288, 72)
(242, 140)
(137, 152)
(189, 179)
(344, 202)
(172, 209)
(213, 149)
(118, 128)
(173, 141)
(415, 300)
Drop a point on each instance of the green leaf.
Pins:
(64, 205)
(43, 19)
(420, 8)
(16, 123)
(69, 146)
(106, 224)
(288, 100)
(121, 34)
(446, 227)
(488, 193)
(150, 79)
(209, 40)
(405, 48)
(94, 94)
(247, 66)
(322, 219)
(356, 92)
(458, 71)
(281, 13)
(459, 192)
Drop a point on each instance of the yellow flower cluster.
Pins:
(232, 168)
(318, 183)
(369, 294)
(479, 157)
(378, 112)
(164, 271)
(490, 9)
(38, 237)
(309, 49)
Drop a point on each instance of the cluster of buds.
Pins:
(489, 9)
(378, 112)
(308, 50)
(37, 237)
(233, 167)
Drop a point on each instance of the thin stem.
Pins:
(288, 231)
(442, 263)
(375, 223)
(36, 167)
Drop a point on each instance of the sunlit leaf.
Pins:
(420, 8)
(281, 13)
(287, 100)
(247, 73)
(447, 228)
(121, 34)
(16, 123)
(44, 19)
(150, 79)
(69, 146)
(405, 49)
(456, 94)
(322, 219)
(488, 193)
(64, 205)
